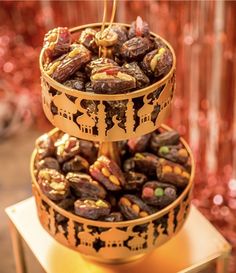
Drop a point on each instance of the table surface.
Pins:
(197, 242)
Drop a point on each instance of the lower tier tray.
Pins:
(198, 247)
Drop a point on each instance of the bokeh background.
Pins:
(203, 34)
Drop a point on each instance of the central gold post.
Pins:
(110, 149)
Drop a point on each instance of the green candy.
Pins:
(159, 192)
(164, 150)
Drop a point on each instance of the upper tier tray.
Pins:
(113, 117)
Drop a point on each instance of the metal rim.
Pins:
(89, 95)
(138, 221)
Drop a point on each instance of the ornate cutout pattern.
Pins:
(105, 117)
(114, 242)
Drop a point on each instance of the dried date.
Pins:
(158, 62)
(136, 48)
(85, 186)
(87, 38)
(139, 144)
(173, 173)
(163, 139)
(64, 67)
(174, 153)
(66, 147)
(88, 150)
(76, 164)
(94, 65)
(56, 42)
(112, 80)
(48, 163)
(77, 82)
(145, 163)
(44, 146)
(113, 217)
(133, 207)
(135, 71)
(158, 194)
(108, 173)
(53, 184)
(134, 181)
(92, 209)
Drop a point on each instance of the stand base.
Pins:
(198, 247)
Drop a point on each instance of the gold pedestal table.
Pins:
(198, 247)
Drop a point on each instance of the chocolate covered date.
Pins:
(92, 209)
(134, 181)
(133, 207)
(175, 153)
(66, 147)
(85, 186)
(56, 42)
(173, 173)
(158, 62)
(76, 164)
(112, 80)
(163, 139)
(64, 67)
(135, 48)
(108, 173)
(53, 184)
(158, 194)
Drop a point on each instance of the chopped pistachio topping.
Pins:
(156, 58)
(125, 77)
(57, 186)
(101, 203)
(53, 67)
(74, 52)
(102, 76)
(139, 156)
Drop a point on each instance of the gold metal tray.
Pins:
(114, 242)
(72, 115)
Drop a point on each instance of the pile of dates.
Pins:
(154, 170)
(130, 58)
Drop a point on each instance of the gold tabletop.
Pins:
(198, 247)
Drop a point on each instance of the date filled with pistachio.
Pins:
(92, 209)
(53, 184)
